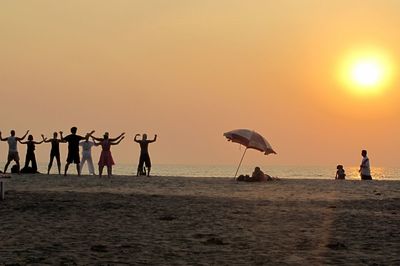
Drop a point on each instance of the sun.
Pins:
(366, 71)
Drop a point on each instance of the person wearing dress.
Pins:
(106, 158)
(365, 170)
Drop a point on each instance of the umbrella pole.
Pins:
(237, 170)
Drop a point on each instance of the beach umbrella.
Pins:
(251, 140)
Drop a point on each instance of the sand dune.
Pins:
(201, 221)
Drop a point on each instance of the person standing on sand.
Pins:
(365, 171)
(73, 148)
(87, 155)
(144, 158)
(54, 152)
(30, 153)
(12, 148)
(105, 156)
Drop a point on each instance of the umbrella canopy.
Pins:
(250, 139)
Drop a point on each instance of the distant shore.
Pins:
(182, 220)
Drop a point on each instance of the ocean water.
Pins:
(228, 171)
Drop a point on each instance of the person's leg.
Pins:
(140, 165)
(109, 173)
(27, 160)
(82, 163)
(51, 164)
(17, 163)
(148, 171)
(34, 163)
(58, 163)
(148, 164)
(77, 160)
(90, 165)
(100, 170)
(78, 169)
(6, 166)
(66, 168)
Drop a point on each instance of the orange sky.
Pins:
(191, 70)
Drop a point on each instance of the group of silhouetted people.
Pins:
(74, 142)
(365, 169)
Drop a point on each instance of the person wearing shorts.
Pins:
(73, 148)
(12, 148)
(144, 159)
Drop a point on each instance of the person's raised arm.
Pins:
(45, 139)
(95, 138)
(135, 139)
(155, 138)
(95, 143)
(22, 142)
(117, 138)
(118, 142)
(1, 138)
(38, 142)
(24, 136)
(62, 137)
(88, 135)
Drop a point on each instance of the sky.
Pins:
(191, 70)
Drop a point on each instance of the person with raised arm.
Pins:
(12, 148)
(73, 148)
(87, 155)
(106, 158)
(144, 159)
(30, 154)
(54, 152)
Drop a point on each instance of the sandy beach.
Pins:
(198, 221)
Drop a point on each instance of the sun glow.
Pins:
(366, 72)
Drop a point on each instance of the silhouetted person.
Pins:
(54, 152)
(259, 176)
(73, 148)
(30, 153)
(12, 148)
(365, 171)
(340, 173)
(87, 155)
(106, 158)
(144, 158)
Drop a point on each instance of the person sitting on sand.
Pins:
(54, 152)
(73, 148)
(365, 171)
(12, 148)
(259, 176)
(144, 159)
(340, 173)
(106, 158)
(30, 155)
(256, 176)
